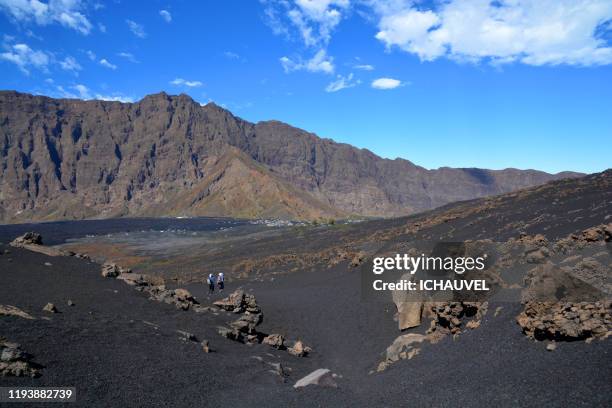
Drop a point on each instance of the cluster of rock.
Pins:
(449, 317)
(181, 298)
(112, 270)
(535, 248)
(599, 233)
(15, 362)
(29, 238)
(244, 329)
(566, 321)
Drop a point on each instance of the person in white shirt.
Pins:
(211, 283)
(221, 281)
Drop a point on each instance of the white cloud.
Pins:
(128, 56)
(81, 91)
(184, 82)
(534, 32)
(70, 64)
(68, 13)
(342, 82)
(386, 83)
(136, 29)
(91, 55)
(114, 98)
(165, 14)
(364, 67)
(105, 63)
(314, 20)
(102, 27)
(320, 62)
(24, 57)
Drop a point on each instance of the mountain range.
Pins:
(170, 156)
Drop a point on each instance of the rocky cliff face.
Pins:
(167, 155)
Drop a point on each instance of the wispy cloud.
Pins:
(364, 67)
(184, 82)
(80, 91)
(105, 63)
(342, 82)
(136, 29)
(165, 14)
(386, 83)
(320, 62)
(25, 57)
(68, 13)
(70, 64)
(313, 20)
(91, 55)
(128, 56)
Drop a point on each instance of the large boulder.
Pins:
(232, 302)
(409, 306)
(247, 322)
(111, 270)
(239, 302)
(29, 238)
(322, 377)
(299, 349)
(274, 340)
(15, 362)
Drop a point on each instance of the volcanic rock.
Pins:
(322, 377)
(29, 238)
(8, 310)
(111, 270)
(50, 307)
(274, 340)
(299, 349)
(403, 344)
(566, 320)
(15, 362)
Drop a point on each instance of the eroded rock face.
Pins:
(15, 362)
(87, 162)
(566, 321)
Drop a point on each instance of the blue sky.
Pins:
(458, 83)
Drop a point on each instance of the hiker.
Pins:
(211, 283)
(221, 281)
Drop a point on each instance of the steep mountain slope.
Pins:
(167, 155)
